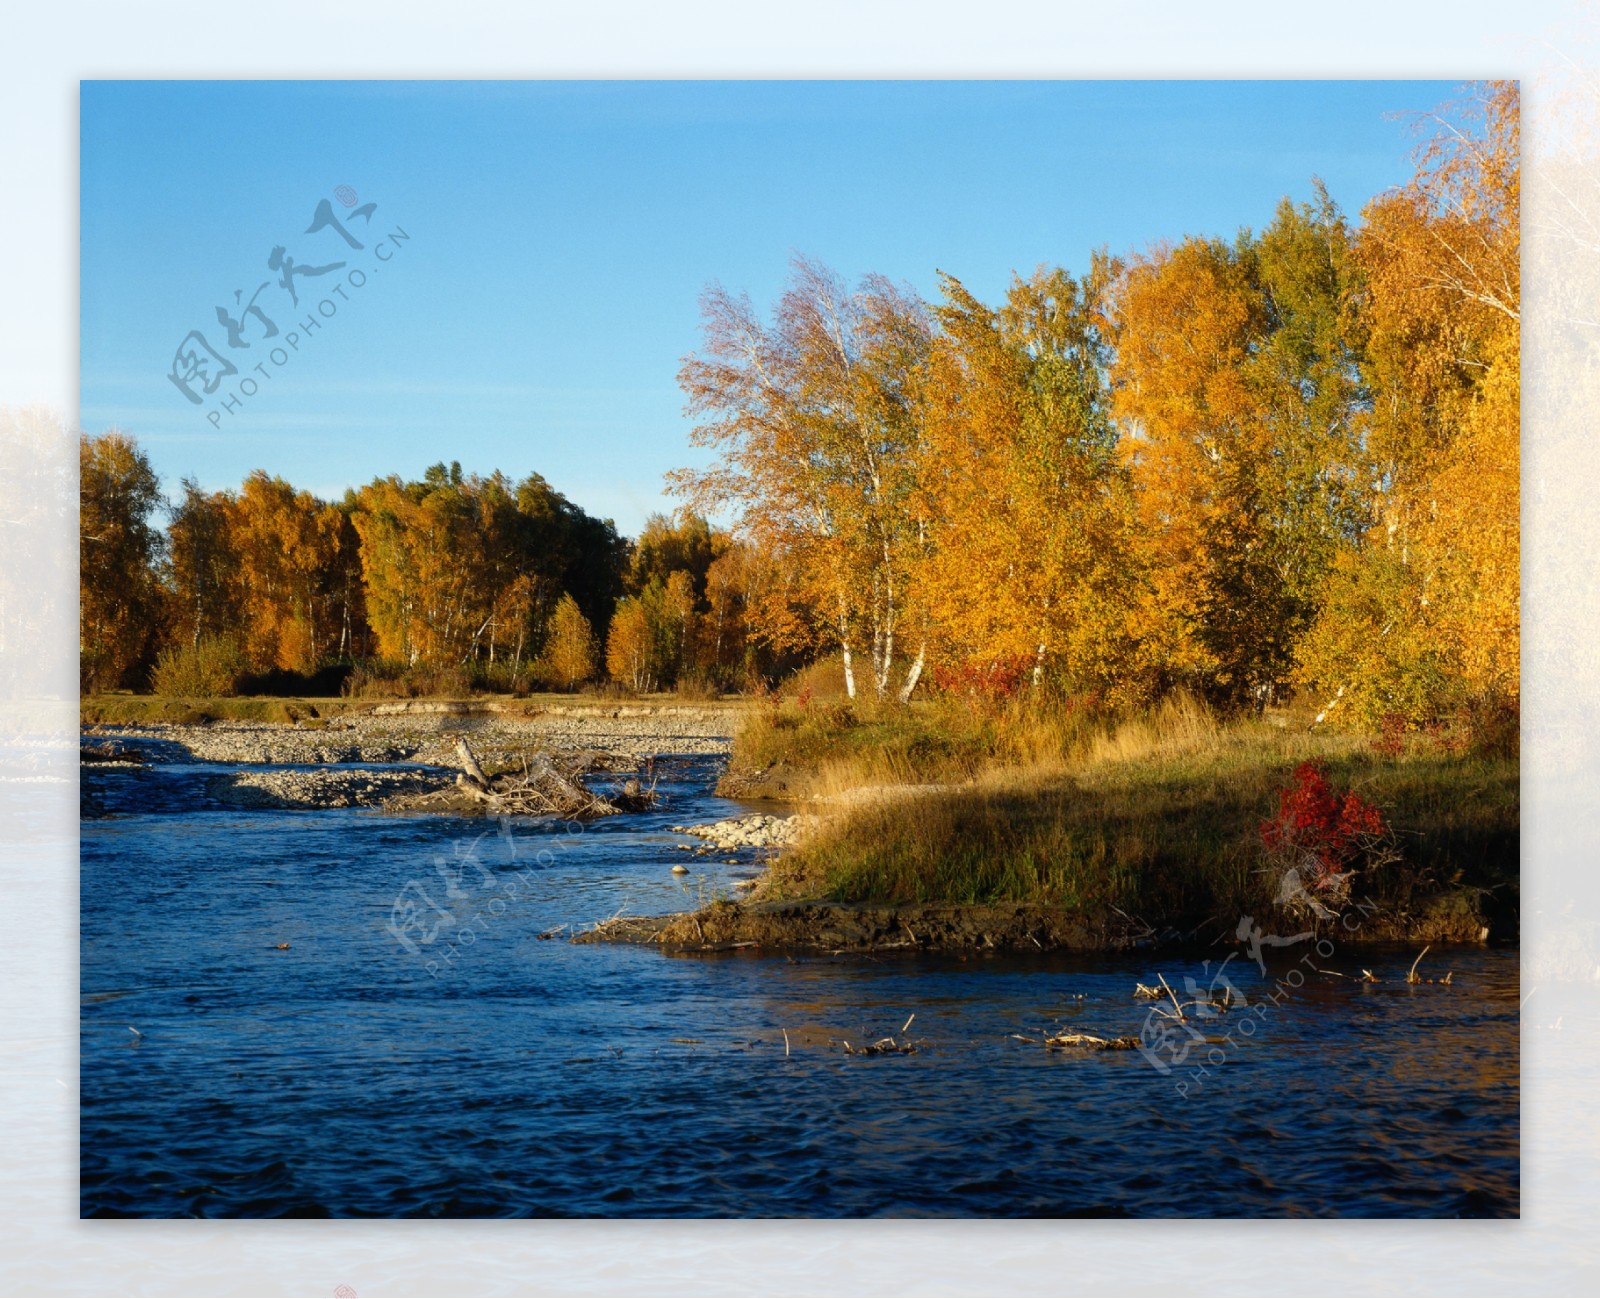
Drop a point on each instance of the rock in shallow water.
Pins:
(755, 831)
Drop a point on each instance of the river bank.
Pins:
(945, 829)
(1448, 919)
(1128, 844)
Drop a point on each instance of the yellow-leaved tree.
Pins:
(1026, 565)
(119, 598)
(1424, 614)
(569, 651)
(1242, 411)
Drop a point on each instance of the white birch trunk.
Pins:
(914, 674)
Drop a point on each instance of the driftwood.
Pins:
(469, 764)
(1411, 976)
(1089, 1042)
(542, 790)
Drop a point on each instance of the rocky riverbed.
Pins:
(758, 830)
(299, 788)
(328, 762)
(426, 737)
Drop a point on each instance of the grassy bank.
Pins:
(1159, 816)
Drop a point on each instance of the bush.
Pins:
(608, 690)
(824, 679)
(502, 677)
(1318, 840)
(1490, 726)
(697, 686)
(213, 666)
(379, 680)
(326, 680)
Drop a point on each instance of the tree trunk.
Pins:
(914, 674)
(849, 672)
(1038, 658)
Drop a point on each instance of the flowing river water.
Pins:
(342, 1013)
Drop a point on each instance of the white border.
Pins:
(48, 1251)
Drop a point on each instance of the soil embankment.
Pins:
(1451, 918)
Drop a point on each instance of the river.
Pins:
(341, 1013)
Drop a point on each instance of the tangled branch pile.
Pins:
(542, 790)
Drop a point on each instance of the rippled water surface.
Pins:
(492, 1072)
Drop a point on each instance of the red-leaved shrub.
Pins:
(1319, 839)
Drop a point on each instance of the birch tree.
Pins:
(816, 420)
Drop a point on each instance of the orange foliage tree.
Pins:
(1242, 410)
(119, 597)
(1028, 555)
(1425, 614)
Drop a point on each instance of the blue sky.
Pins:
(561, 232)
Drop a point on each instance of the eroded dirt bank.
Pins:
(1450, 918)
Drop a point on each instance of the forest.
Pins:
(1281, 462)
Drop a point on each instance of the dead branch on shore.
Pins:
(543, 790)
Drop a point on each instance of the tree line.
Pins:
(506, 581)
(1241, 465)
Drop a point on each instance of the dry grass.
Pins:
(195, 710)
(847, 745)
(1158, 814)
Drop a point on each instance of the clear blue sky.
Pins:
(560, 233)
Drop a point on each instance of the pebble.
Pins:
(755, 831)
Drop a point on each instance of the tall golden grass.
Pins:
(1158, 813)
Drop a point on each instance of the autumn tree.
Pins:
(1426, 607)
(729, 644)
(1239, 393)
(287, 543)
(680, 542)
(815, 419)
(423, 556)
(119, 599)
(459, 568)
(203, 564)
(630, 646)
(569, 653)
(1027, 555)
